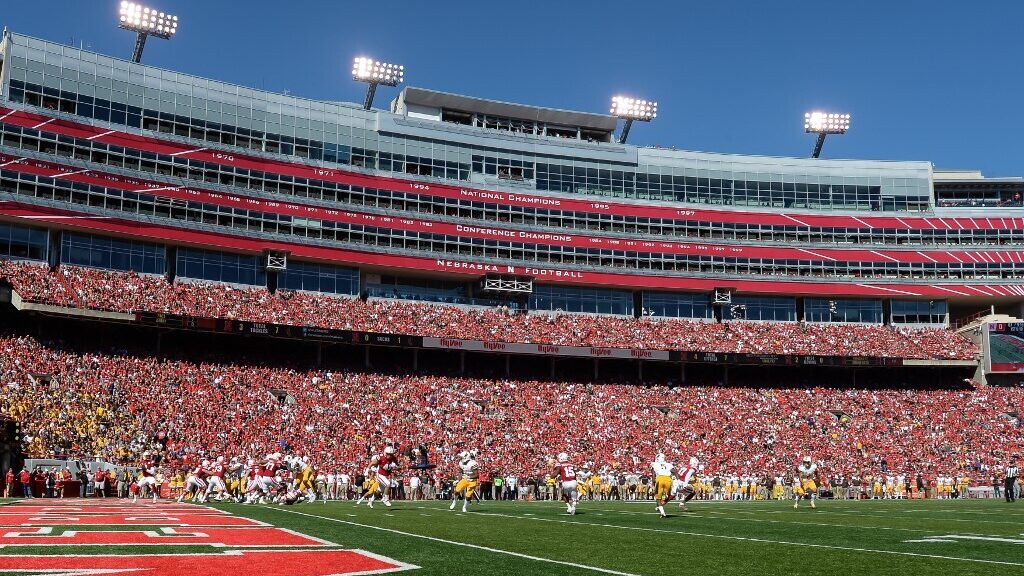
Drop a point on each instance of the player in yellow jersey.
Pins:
(304, 475)
(963, 486)
(808, 475)
(662, 482)
(468, 483)
(583, 484)
(779, 488)
(642, 489)
(370, 485)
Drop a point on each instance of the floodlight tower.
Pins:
(373, 73)
(823, 124)
(630, 109)
(146, 22)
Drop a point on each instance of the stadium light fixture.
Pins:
(632, 109)
(145, 22)
(823, 124)
(375, 73)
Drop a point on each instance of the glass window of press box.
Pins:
(838, 310)
(312, 277)
(919, 311)
(760, 308)
(430, 290)
(427, 289)
(23, 243)
(221, 267)
(675, 305)
(572, 299)
(112, 253)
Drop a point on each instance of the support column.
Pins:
(508, 365)
(682, 372)
(366, 356)
(415, 359)
(597, 374)
(640, 370)
(319, 354)
(462, 362)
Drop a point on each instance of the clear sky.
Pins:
(939, 80)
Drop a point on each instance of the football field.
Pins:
(841, 537)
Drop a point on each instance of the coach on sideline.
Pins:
(1011, 482)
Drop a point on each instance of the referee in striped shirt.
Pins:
(1011, 482)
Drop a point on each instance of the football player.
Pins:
(370, 485)
(387, 464)
(147, 468)
(566, 474)
(468, 483)
(662, 482)
(684, 486)
(807, 472)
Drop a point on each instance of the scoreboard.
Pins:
(1006, 347)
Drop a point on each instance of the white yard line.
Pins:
(915, 518)
(975, 512)
(463, 544)
(697, 513)
(758, 540)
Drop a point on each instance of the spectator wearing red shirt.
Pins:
(8, 482)
(99, 482)
(26, 483)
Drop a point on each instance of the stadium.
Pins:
(447, 334)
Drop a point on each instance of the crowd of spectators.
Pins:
(114, 404)
(128, 292)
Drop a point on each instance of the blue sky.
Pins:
(939, 81)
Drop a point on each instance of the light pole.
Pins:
(630, 109)
(373, 73)
(145, 22)
(823, 124)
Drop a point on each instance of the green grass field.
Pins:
(1004, 349)
(840, 537)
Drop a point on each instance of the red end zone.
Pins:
(139, 517)
(307, 563)
(167, 524)
(220, 537)
(72, 510)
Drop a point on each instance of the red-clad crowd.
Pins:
(114, 405)
(127, 292)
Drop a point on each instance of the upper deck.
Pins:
(508, 147)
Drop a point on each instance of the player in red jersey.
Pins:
(252, 482)
(195, 483)
(264, 480)
(387, 464)
(684, 483)
(566, 474)
(147, 467)
(268, 473)
(215, 481)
